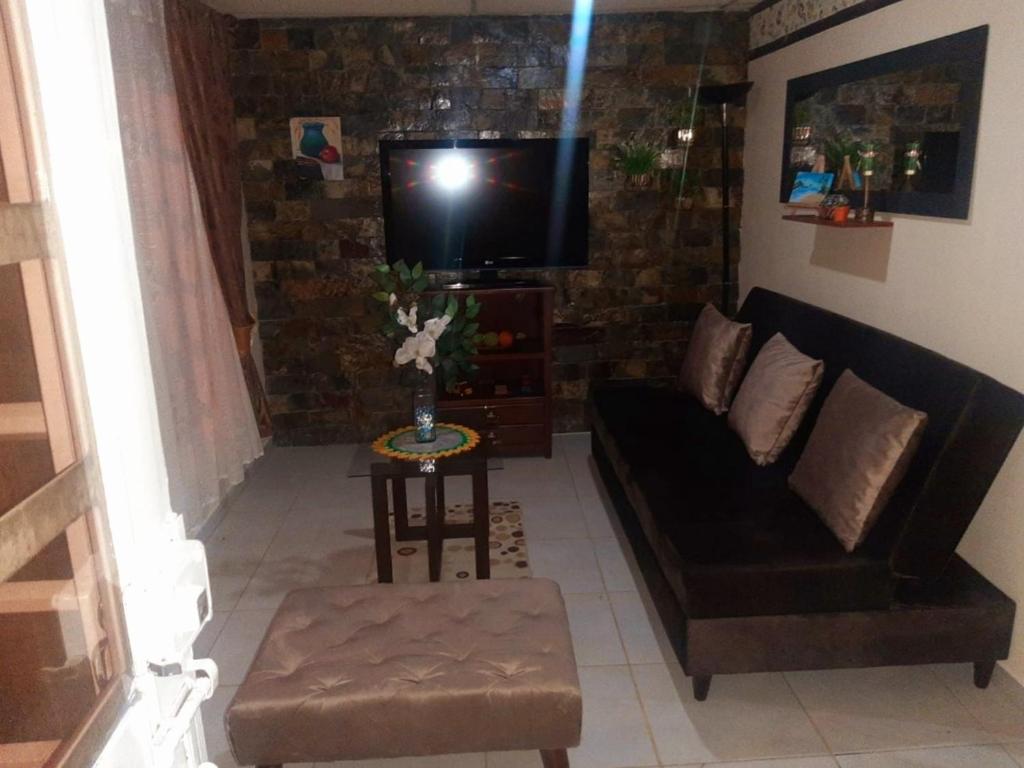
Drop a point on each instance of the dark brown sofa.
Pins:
(746, 576)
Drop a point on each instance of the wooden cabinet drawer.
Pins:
(521, 439)
(493, 416)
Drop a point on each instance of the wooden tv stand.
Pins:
(511, 400)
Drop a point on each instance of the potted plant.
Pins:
(838, 150)
(434, 333)
(638, 161)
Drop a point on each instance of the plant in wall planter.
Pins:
(433, 333)
(638, 161)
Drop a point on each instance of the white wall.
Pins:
(952, 286)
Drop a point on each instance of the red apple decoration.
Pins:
(330, 154)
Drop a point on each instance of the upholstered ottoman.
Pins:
(395, 670)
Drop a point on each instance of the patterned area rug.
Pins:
(509, 557)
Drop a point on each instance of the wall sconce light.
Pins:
(684, 137)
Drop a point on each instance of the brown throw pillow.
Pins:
(857, 454)
(773, 398)
(714, 359)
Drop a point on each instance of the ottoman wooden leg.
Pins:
(554, 758)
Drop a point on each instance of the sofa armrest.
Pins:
(959, 480)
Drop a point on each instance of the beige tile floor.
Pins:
(300, 521)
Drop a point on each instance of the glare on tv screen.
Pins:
(471, 205)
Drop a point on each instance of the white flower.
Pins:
(435, 326)
(392, 300)
(420, 348)
(408, 319)
(406, 352)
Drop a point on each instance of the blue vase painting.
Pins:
(316, 147)
(313, 140)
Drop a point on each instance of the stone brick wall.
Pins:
(652, 264)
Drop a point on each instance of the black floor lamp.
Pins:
(724, 95)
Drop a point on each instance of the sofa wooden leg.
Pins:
(701, 685)
(554, 758)
(983, 673)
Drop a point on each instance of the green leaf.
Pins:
(383, 269)
(473, 311)
(403, 272)
(382, 296)
(470, 328)
(420, 284)
(470, 300)
(438, 303)
(453, 306)
(417, 270)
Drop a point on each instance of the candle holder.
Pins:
(868, 154)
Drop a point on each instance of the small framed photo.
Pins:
(811, 188)
(316, 147)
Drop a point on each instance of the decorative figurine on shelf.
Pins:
(912, 158)
(911, 162)
(868, 154)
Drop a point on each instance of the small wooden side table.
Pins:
(436, 529)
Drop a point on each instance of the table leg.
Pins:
(435, 534)
(481, 524)
(401, 509)
(381, 532)
(440, 497)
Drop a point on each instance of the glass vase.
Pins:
(424, 408)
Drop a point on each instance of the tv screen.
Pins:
(486, 205)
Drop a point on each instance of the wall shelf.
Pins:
(848, 224)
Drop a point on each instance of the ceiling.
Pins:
(335, 8)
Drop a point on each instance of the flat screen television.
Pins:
(486, 204)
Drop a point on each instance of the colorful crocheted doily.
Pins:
(452, 439)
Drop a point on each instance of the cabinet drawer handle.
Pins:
(493, 439)
(490, 416)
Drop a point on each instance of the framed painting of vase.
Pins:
(316, 147)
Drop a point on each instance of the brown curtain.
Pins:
(199, 40)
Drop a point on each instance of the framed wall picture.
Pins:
(810, 188)
(316, 147)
